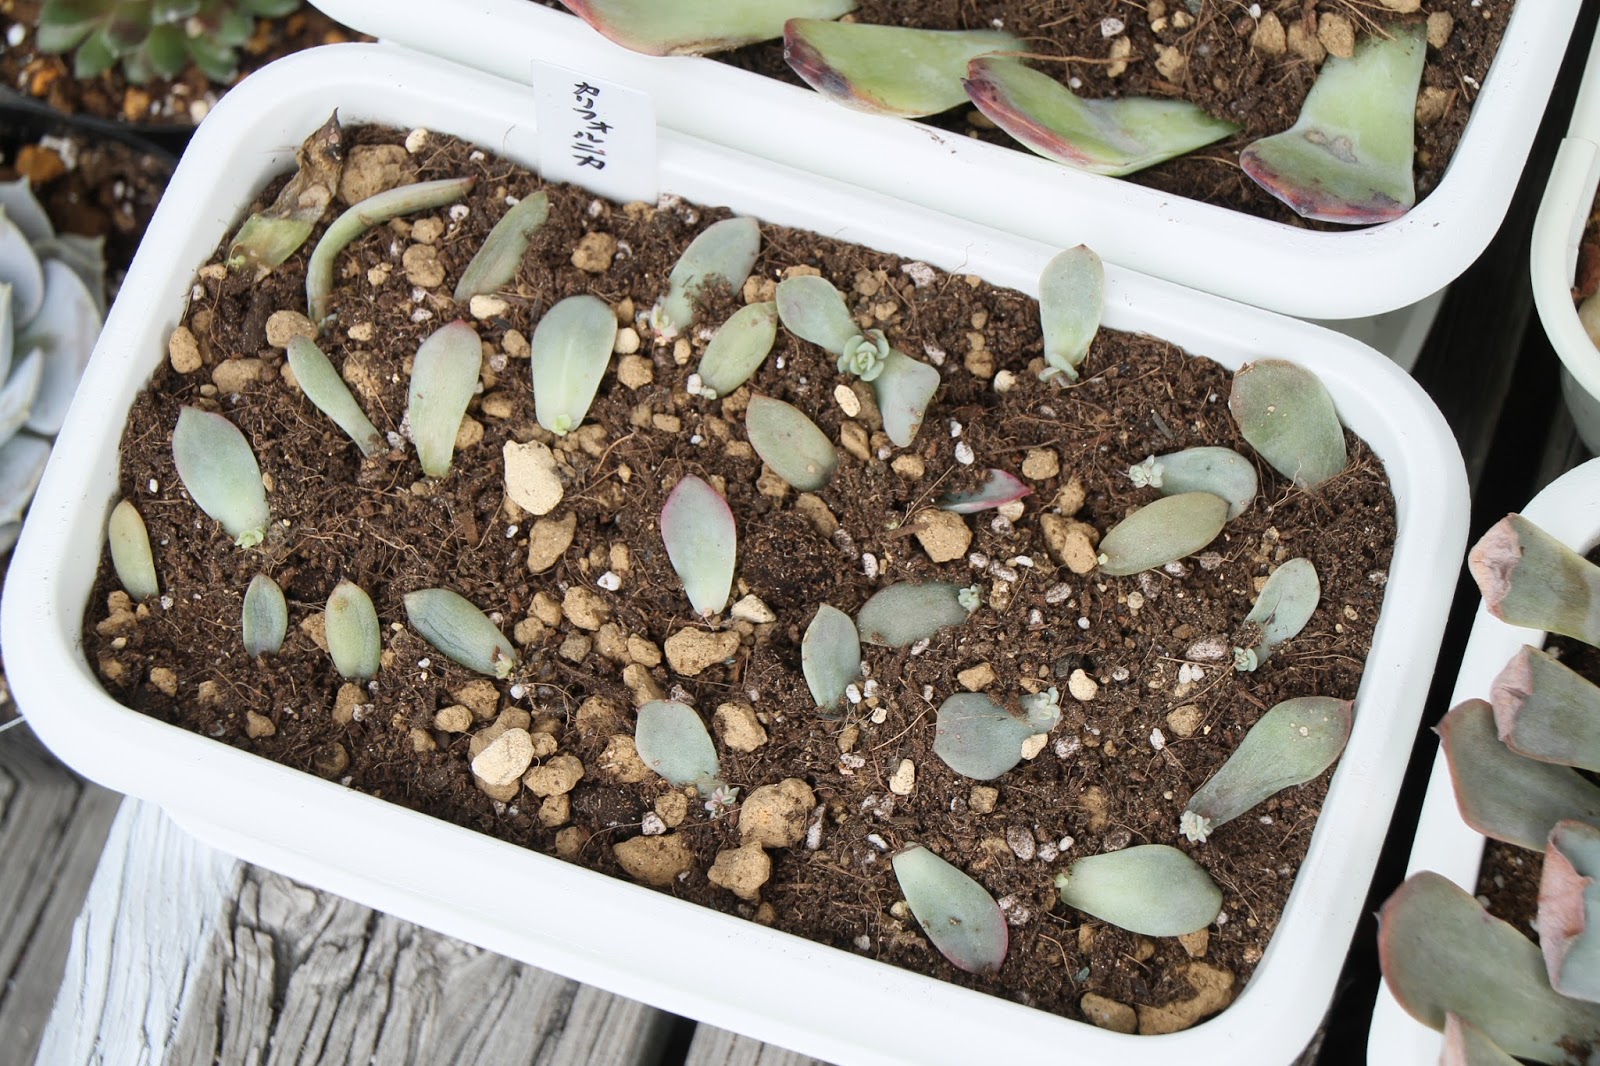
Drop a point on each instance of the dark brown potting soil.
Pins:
(1165, 712)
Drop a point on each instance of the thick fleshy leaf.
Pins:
(958, 914)
(981, 739)
(354, 640)
(16, 398)
(1161, 532)
(812, 309)
(85, 256)
(270, 237)
(326, 389)
(22, 462)
(450, 622)
(373, 211)
(1110, 136)
(1286, 414)
(497, 260)
(998, 489)
(790, 443)
(723, 254)
(571, 349)
(65, 329)
(702, 543)
(1291, 744)
(901, 615)
(265, 617)
(1500, 793)
(20, 268)
(1286, 603)
(1153, 889)
(219, 471)
(1219, 471)
(738, 348)
(1348, 156)
(130, 552)
(1441, 952)
(1569, 901)
(904, 389)
(444, 375)
(697, 27)
(1071, 299)
(18, 204)
(1467, 1045)
(830, 655)
(888, 70)
(1529, 578)
(1547, 711)
(672, 741)
(7, 332)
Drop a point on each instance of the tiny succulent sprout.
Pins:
(1529, 578)
(1147, 474)
(812, 309)
(964, 922)
(1071, 299)
(269, 237)
(673, 742)
(1161, 532)
(697, 27)
(1107, 136)
(1568, 909)
(998, 489)
(1291, 744)
(1441, 953)
(901, 615)
(1545, 710)
(1151, 889)
(444, 375)
(374, 210)
(130, 551)
(790, 443)
(265, 617)
(865, 355)
(1286, 414)
(354, 639)
(464, 634)
(978, 738)
(497, 260)
(970, 598)
(830, 656)
(1219, 471)
(702, 543)
(723, 254)
(738, 349)
(219, 471)
(571, 348)
(1348, 157)
(888, 70)
(1286, 603)
(327, 391)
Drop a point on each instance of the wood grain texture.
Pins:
(718, 1047)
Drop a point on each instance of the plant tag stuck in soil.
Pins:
(595, 133)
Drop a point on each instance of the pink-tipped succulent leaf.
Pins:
(697, 27)
(1529, 578)
(997, 490)
(1568, 900)
(1467, 1045)
(888, 70)
(1545, 710)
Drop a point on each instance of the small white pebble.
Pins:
(847, 400)
(1175, 568)
(1255, 11)
(1158, 740)
(964, 454)
(920, 646)
(978, 561)
(415, 140)
(1000, 524)
(1005, 381)
(921, 274)
(869, 564)
(652, 825)
(955, 429)
(695, 438)
(935, 354)
(877, 841)
(884, 453)
(1074, 82)
(166, 603)
(16, 34)
(927, 693)
(421, 314)
(870, 689)
(459, 212)
(1004, 573)
(511, 531)
(1222, 917)
(518, 691)
(1120, 674)
(1048, 853)
(1058, 593)
(155, 486)
(864, 942)
(1266, 819)
(609, 581)
(1111, 26)
(880, 716)
(424, 663)
(1083, 623)
(1021, 560)
(852, 693)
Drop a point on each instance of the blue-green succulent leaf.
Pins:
(572, 347)
(450, 622)
(219, 471)
(1153, 889)
(958, 914)
(444, 376)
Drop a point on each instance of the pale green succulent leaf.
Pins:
(1071, 299)
(724, 253)
(354, 640)
(1153, 889)
(981, 739)
(1284, 606)
(1529, 578)
(22, 462)
(571, 348)
(812, 309)
(8, 339)
(1162, 532)
(830, 656)
(1286, 414)
(888, 70)
(673, 742)
(958, 914)
(444, 375)
(264, 618)
(219, 471)
(698, 27)
(904, 389)
(327, 391)
(1219, 471)
(698, 529)
(902, 614)
(462, 633)
(1569, 904)
(22, 208)
(739, 347)
(20, 268)
(1467, 1045)
(86, 258)
(20, 390)
(130, 552)
(496, 263)
(790, 443)
(1545, 710)
(65, 329)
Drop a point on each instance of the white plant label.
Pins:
(595, 133)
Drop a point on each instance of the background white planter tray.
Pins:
(1313, 274)
(628, 939)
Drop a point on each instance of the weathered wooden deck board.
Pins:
(718, 1047)
(183, 956)
(52, 827)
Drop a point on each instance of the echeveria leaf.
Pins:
(958, 914)
(724, 253)
(1151, 889)
(1286, 414)
(672, 741)
(444, 375)
(1441, 952)
(1547, 711)
(1569, 901)
(790, 443)
(903, 614)
(701, 538)
(130, 551)
(903, 390)
(20, 268)
(85, 256)
(571, 349)
(1071, 299)
(65, 329)
(812, 309)
(1529, 578)
(22, 208)
(501, 254)
(978, 738)
(1161, 532)
(739, 347)
(327, 391)
(1286, 603)
(1348, 157)
(888, 70)
(1109, 136)
(450, 622)
(1219, 471)
(354, 639)
(22, 462)
(219, 471)
(830, 655)
(264, 618)
(999, 488)
(16, 398)
(696, 27)
(1291, 744)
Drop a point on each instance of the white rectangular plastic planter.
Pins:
(1569, 510)
(1557, 232)
(635, 941)
(1326, 275)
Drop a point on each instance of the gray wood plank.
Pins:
(718, 1047)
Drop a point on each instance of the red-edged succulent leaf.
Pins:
(1547, 711)
(1467, 1045)
(888, 70)
(997, 490)
(1529, 578)
(697, 27)
(1568, 899)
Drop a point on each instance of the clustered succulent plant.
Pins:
(153, 38)
(1515, 762)
(1282, 410)
(1348, 157)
